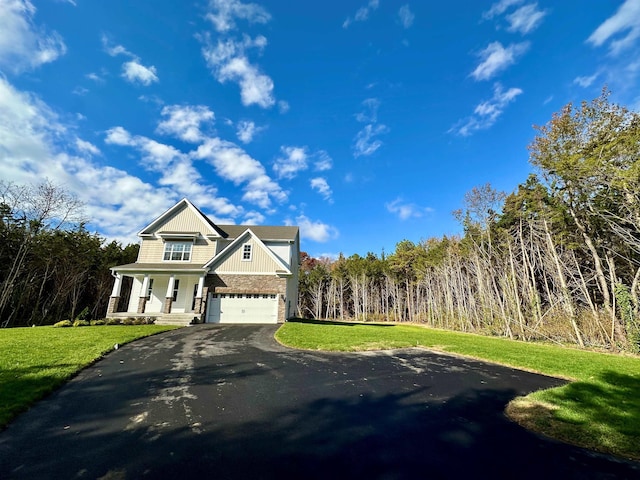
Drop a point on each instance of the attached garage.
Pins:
(242, 308)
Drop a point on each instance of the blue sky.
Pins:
(362, 121)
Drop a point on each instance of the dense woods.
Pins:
(557, 260)
(51, 267)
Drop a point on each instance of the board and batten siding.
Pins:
(184, 220)
(260, 261)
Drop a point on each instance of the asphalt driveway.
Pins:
(229, 402)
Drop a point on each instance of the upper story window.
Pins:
(246, 252)
(177, 251)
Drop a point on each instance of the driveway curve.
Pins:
(230, 402)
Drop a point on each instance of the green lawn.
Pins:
(600, 409)
(35, 361)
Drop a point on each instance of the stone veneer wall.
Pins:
(270, 284)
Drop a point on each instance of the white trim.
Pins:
(170, 284)
(200, 286)
(117, 286)
(192, 236)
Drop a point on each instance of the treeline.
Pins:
(558, 259)
(51, 267)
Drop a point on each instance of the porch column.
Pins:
(197, 307)
(142, 300)
(115, 295)
(168, 300)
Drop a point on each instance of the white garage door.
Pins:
(242, 308)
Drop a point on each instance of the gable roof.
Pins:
(235, 244)
(265, 233)
(150, 229)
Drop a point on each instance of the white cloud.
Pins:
(223, 14)
(586, 81)
(405, 210)
(496, 58)
(32, 137)
(87, 147)
(184, 121)
(253, 218)
(95, 77)
(322, 187)
(228, 62)
(370, 112)
(35, 145)
(362, 14)
(322, 161)
(176, 170)
(234, 164)
(365, 142)
(23, 45)
(623, 28)
(293, 161)
(155, 156)
(499, 8)
(283, 106)
(114, 50)
(525, 19)
(486, 113)
(119, 136)
(135, 72)
(80, 91)
(406, 16)
(315, 231)
(246, 130)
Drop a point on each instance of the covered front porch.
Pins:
(170, 295)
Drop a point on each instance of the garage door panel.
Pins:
(236, 308)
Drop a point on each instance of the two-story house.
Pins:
(190, 270)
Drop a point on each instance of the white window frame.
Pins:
(175, 254)
(247, 252)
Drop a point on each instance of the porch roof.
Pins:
(160, 268)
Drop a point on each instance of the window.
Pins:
(246, 252)
(150, 289)
(176, 286)
(177, 251)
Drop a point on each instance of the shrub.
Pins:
(112, 321)
(84, 314)
(150, 320)
(97, 322)
(80, 323)
(128, 321)
(63, 323)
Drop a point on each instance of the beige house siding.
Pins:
(184, 220)
(152, 251)
(260, 260)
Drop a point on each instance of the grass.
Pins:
(599, 409)
(36, 361)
